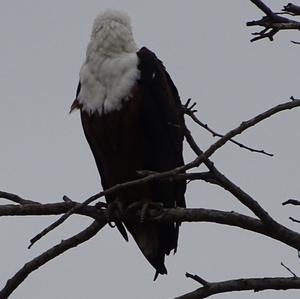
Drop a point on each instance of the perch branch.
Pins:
(255, 284)
(16, 198)
(168, 215)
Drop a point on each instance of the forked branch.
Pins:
(273, 22)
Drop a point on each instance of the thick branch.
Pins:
(166, 215)
(279, 233)
(277, 230)
(46, 209)
(255, 284)
(50, 254)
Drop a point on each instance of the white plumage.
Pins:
(110, 68)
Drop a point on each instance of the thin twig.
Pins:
(192, 115)
(197, 278)
(291, 201)
(288, 269)
(294, 220)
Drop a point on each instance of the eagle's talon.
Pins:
(188, 107)
(144, 208)
(114, 210)
(111, 224)
(101, 205)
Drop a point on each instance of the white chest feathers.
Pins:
(106, 82)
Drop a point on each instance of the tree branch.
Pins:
(272, 22)
(16, 198)
(293, 202)
(278, 231)
(192, 115)
(263, 7)
(288, 269)
(246, 284)
(281, 233)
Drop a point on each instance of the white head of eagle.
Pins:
(110, 68)
(132, 119)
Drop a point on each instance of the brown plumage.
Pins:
(145, 134)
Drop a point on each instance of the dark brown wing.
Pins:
(162, 122)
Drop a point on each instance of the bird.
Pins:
(133, 120)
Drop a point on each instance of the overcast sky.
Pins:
(206, 49)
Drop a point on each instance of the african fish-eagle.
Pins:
(132, 119)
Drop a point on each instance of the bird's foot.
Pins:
(104, 206)
(114, 210)
(144, 208)
(188, 107)
(101, 205)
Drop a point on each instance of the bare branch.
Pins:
(192, 115)
(47, 209)
(263, 7)
(15, 198)
(247, 200)
(294, 202)
(178, 214)
(294, 220)
(197, 278)
(255, 284)
(272, 23)
(48, 255)
(167, 215)
(288, 269)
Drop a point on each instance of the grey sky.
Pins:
(205, 47)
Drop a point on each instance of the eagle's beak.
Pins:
(74, 106)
